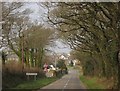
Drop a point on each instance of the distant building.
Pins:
(76, 62)
(11, 55)
(63, 57)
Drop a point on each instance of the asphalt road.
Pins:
(69, 81)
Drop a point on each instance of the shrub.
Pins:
(14, 74)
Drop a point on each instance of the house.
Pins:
(10, 55)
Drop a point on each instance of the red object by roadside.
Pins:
(45, 67)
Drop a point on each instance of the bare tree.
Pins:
(36, 39)
(15, 22)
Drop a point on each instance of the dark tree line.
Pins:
(92, 29)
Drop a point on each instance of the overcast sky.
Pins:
(38, 14)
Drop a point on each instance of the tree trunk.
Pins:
(3, 58)
(117, 77)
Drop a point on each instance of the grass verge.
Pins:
(39, 83)
(91, 83)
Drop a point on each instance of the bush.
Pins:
(89, 68)
(11, 79)
(14, 74)
(64, 71)
(61, 65)
(59, 73)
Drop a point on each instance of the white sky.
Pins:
(38, 15)
(60, 47)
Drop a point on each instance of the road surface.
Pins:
(69, 81)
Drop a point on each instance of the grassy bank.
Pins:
(92, 82)
(12, 79)
(39, 83)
